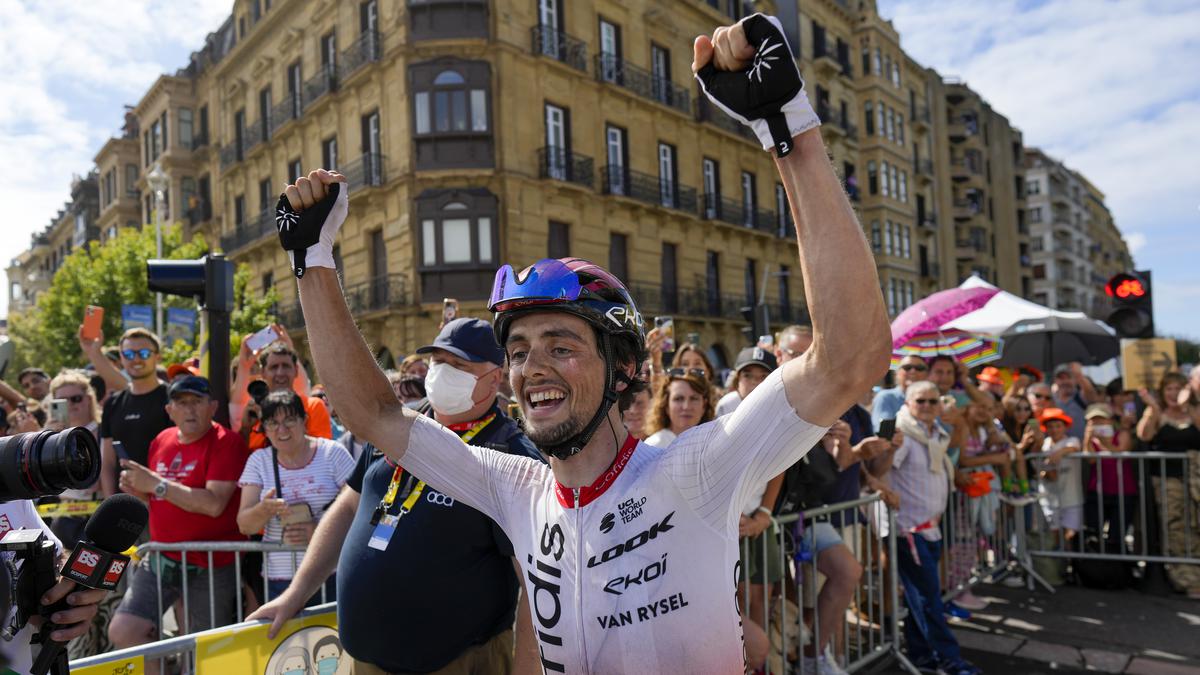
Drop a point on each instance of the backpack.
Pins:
(805, 482)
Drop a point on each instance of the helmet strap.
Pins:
(574, 445)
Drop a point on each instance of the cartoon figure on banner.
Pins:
(309, 651)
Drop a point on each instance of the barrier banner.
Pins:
(307, 645)
(60, 509)
(133, 665)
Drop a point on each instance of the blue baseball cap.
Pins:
(470, 339)
(192, 384)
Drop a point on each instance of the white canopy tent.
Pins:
(1002, 311)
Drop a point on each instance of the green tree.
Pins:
(110, 275)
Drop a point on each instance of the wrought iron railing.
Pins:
(367, 171)
(290, 108)
(716, 207)
(249, 233)
(320, 84)
(230, 155)
(613, 69)
(559, 46)
(199, 140)
(618, 180)
(365, 49)
(561, 164)
(707, 112)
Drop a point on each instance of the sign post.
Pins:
(1144, 362)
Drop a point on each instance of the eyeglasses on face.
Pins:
(1042, 397)
(925, 401)
(919, 367)
(684, 372)
(274, 424)
(143, 353)
(75, 398)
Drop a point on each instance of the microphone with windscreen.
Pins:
(96, 562)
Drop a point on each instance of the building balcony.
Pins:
(386, 292)
(564, 165)
(920, 118)
(369, 170)
(199, 140)
(701, 303)
(318, 85)
(231, 154)
(834, 121)
(256, 133)
(924, 171)
(365, 49)
(707, 112)
(966, 209)
(200, 213)
(825, 59)
(928, 220)
(965, 249)
(559, 46)
(931, 270)
(615, 70)
(961, 169)
(249, 233)
(290, 108)
(734, 212)
(623, 182)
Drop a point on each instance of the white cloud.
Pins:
(1109, 88)
(1136, 241)
(69, 67)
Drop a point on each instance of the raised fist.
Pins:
(308, 216)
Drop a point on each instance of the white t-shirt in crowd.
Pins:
(21, 514)
(728, 403)
(1068, 489)
(316, 484)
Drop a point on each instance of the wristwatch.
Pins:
(160, 490)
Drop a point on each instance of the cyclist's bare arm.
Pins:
(359, 390)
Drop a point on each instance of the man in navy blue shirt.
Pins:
(425, 584)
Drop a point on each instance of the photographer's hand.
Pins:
(84, 605)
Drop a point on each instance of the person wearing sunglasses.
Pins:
(574, 339)
(888, 402)
(75, 388)
(921, 472)
(136, 411)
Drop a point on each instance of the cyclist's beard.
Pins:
(556, 434)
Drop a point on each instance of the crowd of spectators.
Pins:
(287, 472)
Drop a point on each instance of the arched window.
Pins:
(451, 113)
(459, 240)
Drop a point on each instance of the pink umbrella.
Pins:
(931, 313)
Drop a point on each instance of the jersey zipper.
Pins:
(583, 664)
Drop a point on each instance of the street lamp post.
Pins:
(159, 183)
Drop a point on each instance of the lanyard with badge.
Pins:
(385, 522)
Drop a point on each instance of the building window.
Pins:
(186, 128)
(329, 153)
(891, 124)
(1035, 214)
(900, 128)
(559, 243)
(451, 119)
(295, 170)
(750, 281)
(660, 74)
(610, 52)
(887, 237)
(875, 62)
(869, 118)
(904, 187)
(265, 205)
(670, 278)
(239, 211)
(785, 293)
(872, 178)
(906, 241)
(783, 213)
(264, 113)
(1036, 244)
(712, 187)
(876, 237)
(618, 261)
(268, 282)
(896, 74)
(617, 157)
(749, 198)
(895, 182)
(458, 241)
(667, 177)
(1039, 271)
(884, 183)
(712, 282)
(441, 20)
(1033, 187)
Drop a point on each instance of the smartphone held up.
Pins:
(666, 326)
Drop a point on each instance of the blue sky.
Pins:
(1109, 88)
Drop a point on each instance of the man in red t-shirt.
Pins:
(279, 365)
(191, 487)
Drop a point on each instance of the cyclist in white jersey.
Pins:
(629, 551)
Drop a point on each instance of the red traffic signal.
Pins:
(1125, 287)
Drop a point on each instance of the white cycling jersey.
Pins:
(637, 572)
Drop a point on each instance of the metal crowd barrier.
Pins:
(872, 633)
(179, 650)
(1158, 520)
(981, 540)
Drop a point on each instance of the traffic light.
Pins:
(210, 281)
(759, 320)
(1133, 306)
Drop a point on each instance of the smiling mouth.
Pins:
(545, 401)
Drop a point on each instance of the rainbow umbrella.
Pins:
(969, 348)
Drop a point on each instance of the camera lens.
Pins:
(43, 463)
(258, 390)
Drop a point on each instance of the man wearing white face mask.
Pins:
(403, 544)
